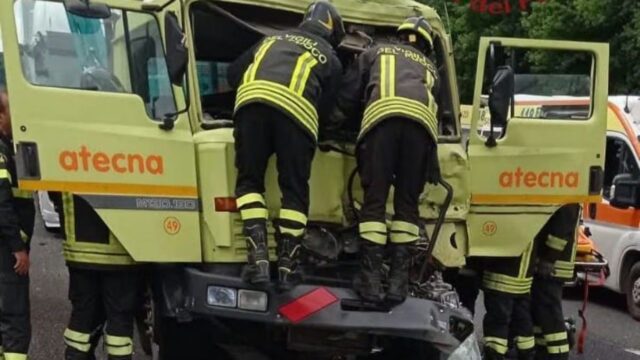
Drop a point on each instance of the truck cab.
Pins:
(135, 116)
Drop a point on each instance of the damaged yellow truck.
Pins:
(125, 103)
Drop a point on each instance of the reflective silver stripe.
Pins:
(142, 203)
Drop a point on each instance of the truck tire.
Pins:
(177, 341)
(633, 291)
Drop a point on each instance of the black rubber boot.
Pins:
(526, 354)
(490, 354)
(399, 274)
(289, 253)
(368, 283)
(257, 271)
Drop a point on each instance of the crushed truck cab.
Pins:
(102, 108)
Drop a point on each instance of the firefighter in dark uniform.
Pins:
(285, 85)
(17, 216)
(396, 146)
(555, 265)
(104, 283)
(506, 283)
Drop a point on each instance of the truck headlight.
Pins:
(252, 300)
(222, 296)
(468, 350)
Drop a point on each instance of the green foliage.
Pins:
(616, 22)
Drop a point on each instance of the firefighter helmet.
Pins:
(418, 27)
(324, 14)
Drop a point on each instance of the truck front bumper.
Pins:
(418, 319)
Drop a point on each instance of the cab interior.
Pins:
(223, 31)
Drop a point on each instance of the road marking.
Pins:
(633, 351)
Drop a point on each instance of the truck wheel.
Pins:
(183, 341)
(633, 291)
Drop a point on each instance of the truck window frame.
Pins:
(128, 57)
(615, 136)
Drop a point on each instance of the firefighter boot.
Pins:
(491, 354)
(368, 283)
(257, 271)
(526, 354)
(399, 274)
(289, 252)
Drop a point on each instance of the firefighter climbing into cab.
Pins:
(396, 146)
(285, 85)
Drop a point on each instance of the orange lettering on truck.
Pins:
(121, 163)
(543, 179)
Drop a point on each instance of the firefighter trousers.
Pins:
(552, 341)
(96, 296)
(508, 317)
(15, 315)
(261, 131)
(395, 152)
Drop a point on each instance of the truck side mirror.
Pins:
(87, 9)
(177, 52)
(501, 93)
(625, 192)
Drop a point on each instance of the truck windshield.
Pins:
(123, 53)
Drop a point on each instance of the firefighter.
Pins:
(105, 284)
(17, 216)
(396, 146)
(506, 284)
(285, 85)
(555, 265)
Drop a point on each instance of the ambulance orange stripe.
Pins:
(109, 188)
(608, 214)
(491, 199)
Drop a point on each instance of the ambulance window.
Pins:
(123, 53)
(619, 159)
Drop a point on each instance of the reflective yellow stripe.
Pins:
(556, 243)
(24, 236)
(403, 226)
(422, 31)
(77, 340)
(119, 345)
(290, 231)
(292, 215)
(299, 107)
(525, 342)
(497, 344)
(4, 174)
(566, 265)
(250, 199)
(372, 226)
(383, 76)
(375, 237)
(540, 342)
(21, 194)
(306, 62)
(399, 106)
(558, 349)
(257, 213)
(506, 284)
(262, 51)
(15, 356)
(525, 261)
(556, 336)
(403, 238)
(392, 76)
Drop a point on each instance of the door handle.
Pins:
(28, 161)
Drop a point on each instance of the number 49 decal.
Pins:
(172, 225)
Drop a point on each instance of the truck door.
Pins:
(533, 162)
(88, 98)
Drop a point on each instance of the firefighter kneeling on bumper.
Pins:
(285, 86)
(396, 146)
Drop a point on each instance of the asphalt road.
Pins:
(612, 333)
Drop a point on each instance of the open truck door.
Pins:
(95, 113)
(533, 165)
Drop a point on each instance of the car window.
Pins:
(620, 159)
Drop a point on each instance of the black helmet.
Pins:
(328, 18)
(418, 26)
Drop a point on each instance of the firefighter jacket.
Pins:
(17, 210)
(88, 241)
(297, 72)
(391, 81)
